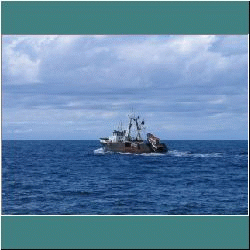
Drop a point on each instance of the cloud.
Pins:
(23, 55)
(230, 45)
(79, 82)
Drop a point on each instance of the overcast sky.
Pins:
(81, 87)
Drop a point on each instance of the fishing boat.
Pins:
(125, 142)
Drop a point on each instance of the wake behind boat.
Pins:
(123, 141)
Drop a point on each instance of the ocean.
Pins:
(79, 178)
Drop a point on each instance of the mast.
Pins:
(129, 128)
(134, 121)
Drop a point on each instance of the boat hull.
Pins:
(132, 147)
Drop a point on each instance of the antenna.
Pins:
(120, 126)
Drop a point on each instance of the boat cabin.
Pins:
(117, 136)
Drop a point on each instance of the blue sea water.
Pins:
(78, 178)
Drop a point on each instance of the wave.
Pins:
(174, 153)
(154, 154)
(102, 151)
(189, 154)
(99, 151)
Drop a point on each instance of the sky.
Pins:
(81, 87)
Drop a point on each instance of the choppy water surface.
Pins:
(77, 177)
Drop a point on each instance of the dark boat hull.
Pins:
(133, 147)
